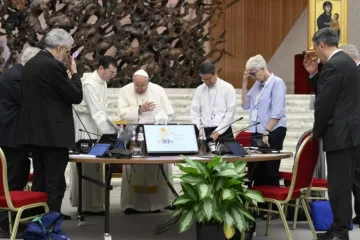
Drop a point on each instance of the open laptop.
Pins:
(171, 139)
(235, 148)
(100, 149)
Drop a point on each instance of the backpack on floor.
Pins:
(46, 227)
(322, 215)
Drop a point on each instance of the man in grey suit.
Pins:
(337, 122)
(353, 52)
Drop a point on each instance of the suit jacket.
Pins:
(337, 104)
(46, 117)
(10, 104)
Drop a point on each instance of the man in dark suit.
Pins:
(46, 122)
(353, 52)
(17, 158)
(337, 122)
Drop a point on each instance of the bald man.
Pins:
(143, 188)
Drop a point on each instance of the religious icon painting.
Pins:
(334, 14)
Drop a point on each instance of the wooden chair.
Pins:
(304, 166)
(18, 201)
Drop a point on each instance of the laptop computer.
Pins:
(235, 148)
(100, 149)
(171, 139)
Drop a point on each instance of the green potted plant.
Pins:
(214, 195)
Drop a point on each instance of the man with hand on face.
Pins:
(143, 188)
(337, 122)
(93, 114)
(213, 105)
(46, 124)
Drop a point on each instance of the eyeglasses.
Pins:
(111, 72)
(253, 74)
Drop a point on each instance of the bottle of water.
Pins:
(202, 141)
(132, 141)
(140, 142)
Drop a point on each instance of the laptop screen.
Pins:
(171, 139)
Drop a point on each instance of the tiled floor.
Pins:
(140, 227)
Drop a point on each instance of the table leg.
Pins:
(80, 218)
(109, 171)
(172, 221)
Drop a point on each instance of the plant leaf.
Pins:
(227, 173)
(201, 216)
(186, 220)
(229, 231)
(189, 190)
(232, 182)
(204, 191)
(177, 212)
(219, 184)
(228, 194)
(176, 176)
(193, 178)
(240, 167)
(214, 161)
(245, 212)
(255, 196)
(228, 219)
(217, 216)
(202, 168)
(180, 201)
(208, 208)
(188, 169)
(238, 219)
(190, 162)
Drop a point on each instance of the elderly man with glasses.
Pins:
(92, 112)
(213, 105)
(46, 123)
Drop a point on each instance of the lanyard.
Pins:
(212, 106)
(258, 95)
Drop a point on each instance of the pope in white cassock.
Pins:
(93, 113)
(143, 187)
(214, 103)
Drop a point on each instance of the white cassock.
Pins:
(143, 187)
(93, 113)
(215, 106)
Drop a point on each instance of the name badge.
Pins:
(254, 114)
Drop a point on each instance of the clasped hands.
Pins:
(148, 106)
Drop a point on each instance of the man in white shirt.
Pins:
(143, 188)
(93, 113)
(214, 103)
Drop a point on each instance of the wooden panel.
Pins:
(254, 27)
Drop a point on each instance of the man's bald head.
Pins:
(141, 81)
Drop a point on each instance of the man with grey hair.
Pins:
(337, 122)
(17, 158)
(46, 123)
(353, 52)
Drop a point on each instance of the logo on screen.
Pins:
(164, 136)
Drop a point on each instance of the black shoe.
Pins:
(356, 220)
(130, 211)
(329, 235)
(66, 217)
(249, 234)
(170, 208)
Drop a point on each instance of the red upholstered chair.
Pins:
(244, 138)
(18, 201)
(304, 166)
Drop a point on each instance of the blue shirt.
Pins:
(271, 103)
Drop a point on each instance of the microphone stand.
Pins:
(91, 141)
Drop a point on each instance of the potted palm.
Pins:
(214, 195)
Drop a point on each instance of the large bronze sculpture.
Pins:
(164, 37)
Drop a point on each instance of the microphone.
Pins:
(82, 130)
(82, 125)
(226, 137)
(239, 119)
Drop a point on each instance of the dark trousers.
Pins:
(267, 173)
(49, 173)
(18, 167)
(356, 188)
(341, 169)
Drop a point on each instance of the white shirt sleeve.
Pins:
(127, 112)
(230, 96)
(196, 109)
(96, 110)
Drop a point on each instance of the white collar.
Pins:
(98, 78)
(335, 52)
(358, 64)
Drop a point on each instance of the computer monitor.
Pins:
(99, 149)
(170, 139)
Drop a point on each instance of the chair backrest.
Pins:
(244, 138)
(304, 165)
(4, 186)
